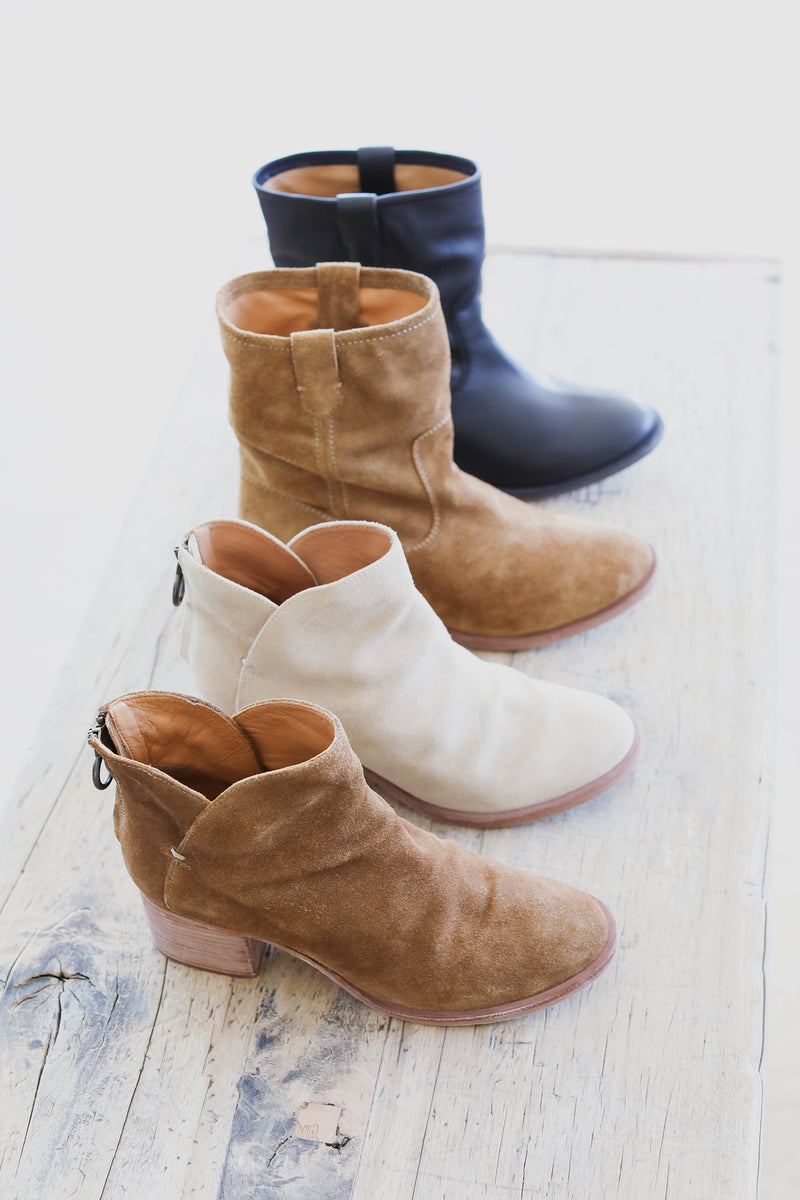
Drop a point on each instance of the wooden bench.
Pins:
(125, 1075)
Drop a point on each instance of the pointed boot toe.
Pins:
(340, 399)
(334, 618)
(524, 432)
(261, 830)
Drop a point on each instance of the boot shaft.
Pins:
(410, 209)
(185, 770)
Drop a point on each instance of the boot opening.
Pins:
(333, 179)
(252, 559)
(286, 733)
(283, 311)
(334, 551)
(195, 744)
(208, 752)
(260, 563)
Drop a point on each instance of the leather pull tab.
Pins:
(376, 169)
(357, 218)
(339, 297)
(316, 370)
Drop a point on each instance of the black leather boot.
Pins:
(526, 433)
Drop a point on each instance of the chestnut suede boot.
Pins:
(340, 399)
(334, 618)
(261, 829)
(522, 431)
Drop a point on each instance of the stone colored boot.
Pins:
(340, 399)
(334, 618)
(261, 829)
(525, 432)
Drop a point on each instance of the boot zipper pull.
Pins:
(97, 731)
(179, 584)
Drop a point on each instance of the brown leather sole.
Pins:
(514, 816)
(529, 641)
(198, 945)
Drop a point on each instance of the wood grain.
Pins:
(127, 1076)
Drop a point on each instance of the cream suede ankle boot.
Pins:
(261, 829)
(340, 398)
(334, 618)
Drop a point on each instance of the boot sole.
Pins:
(529, 641)
(571, 485)
(514, 816)
(194, 944)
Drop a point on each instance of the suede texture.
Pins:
(355, 424)
(420, 711)
(306, 855)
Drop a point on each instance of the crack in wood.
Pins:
(59, 976)
(33, 1105)
(135, 1087)
(282, 1142)
(429, 1113)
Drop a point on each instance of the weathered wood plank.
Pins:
(129, 1077)
(649, 1084)
(191, 1095)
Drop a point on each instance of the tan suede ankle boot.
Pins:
(261, 829)
(340, 400)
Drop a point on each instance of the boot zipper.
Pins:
(100, 732)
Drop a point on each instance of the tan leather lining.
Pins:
(245, 556)
(285, 311)
(320, 555)
(334, 553)
(287, 734)
(336, 178)
(207, 751)
(174, 734)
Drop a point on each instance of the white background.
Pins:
(129, 137)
